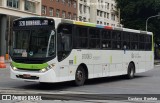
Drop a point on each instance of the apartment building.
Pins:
(105, 12)
(60, 8)
(102, 12)
(10, 10)
(84, 10)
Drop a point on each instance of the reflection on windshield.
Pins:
(36, 43)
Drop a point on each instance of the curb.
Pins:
(157, 65)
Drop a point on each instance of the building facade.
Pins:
(60, 8)
(84, 10)
(103, 12)
(10, 10)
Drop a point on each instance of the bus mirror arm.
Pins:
(124, 48)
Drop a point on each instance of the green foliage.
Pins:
(134, 14)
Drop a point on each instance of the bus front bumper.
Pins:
(48, 76)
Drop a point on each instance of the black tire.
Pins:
(131, 71)
(80, 76)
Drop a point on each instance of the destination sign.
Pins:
(33, 22)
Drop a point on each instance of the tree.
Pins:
(135, 12)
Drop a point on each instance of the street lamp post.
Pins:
(150, 18)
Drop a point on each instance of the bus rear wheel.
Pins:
(80, 76)
(131, 71)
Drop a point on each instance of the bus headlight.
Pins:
(14, 68)
(43, 70)
(46, 69)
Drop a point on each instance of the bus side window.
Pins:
(64, 41)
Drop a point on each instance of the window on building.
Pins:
(13, 3)
(63, 14)
(98, 12)
(80, 18)
(80, 8)
(107, 15)
(89, 10)
(84, 19)
(30, 6)
(84, 9)
(69, 15)
(63, 1)
(44, 9)
(50, 11)
(74, 17)
(113, 17)
(107, 5)
(102, 3)
(97, 22)
(74, 4)
(101, 12)
(69, 3)
(57, 13)
(112, 7)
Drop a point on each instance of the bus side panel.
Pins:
(149, 60)
(142, 62)
(116, 66)
(95, 58)
(126, 59)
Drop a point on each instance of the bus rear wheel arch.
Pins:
(131, 70)
(81, 75)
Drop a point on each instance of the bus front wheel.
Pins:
(131, 71)
(80, 76)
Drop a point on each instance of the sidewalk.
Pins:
(156, 62)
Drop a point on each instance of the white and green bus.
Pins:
(49, 50)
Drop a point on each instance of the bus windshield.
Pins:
(38, 43)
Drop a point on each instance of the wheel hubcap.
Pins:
(132, 72)
(79, 75)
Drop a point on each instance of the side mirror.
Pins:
(124, 47)
(52, 32)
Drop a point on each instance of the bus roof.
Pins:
(91, 24)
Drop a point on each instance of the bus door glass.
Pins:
(64, 41)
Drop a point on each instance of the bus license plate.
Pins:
(26, 75)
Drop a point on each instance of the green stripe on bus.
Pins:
(91, 25)
(67, 21)
(30, 66)
(85, 24)
(152, 43)
(110, 59)
(75, 59)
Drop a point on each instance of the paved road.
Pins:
(143, 83)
